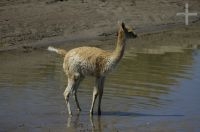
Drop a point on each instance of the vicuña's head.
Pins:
(125, 32)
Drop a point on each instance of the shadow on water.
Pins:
(133, 114)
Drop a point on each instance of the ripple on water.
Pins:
(146, 79)
(34, 84)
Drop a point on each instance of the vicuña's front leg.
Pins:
(100, 88)
(95, 94)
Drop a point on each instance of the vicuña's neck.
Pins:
(119, 50)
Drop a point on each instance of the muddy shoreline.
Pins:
(145, 40)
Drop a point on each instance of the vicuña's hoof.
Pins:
(91, 113)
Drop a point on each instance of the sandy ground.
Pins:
(32, 23)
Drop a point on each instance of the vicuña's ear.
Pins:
(123, 26)
(119, 23)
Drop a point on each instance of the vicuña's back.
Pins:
(88, 61)
(83, 61)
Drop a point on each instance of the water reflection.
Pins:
(96, 124)
(74, 122)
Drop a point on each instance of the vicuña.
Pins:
(83, 61)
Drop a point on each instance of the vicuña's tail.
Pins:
(58, 51)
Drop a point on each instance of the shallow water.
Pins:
(149, 91)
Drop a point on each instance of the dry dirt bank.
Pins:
(27, 23)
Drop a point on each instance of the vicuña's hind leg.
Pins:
(70, 86)
(77, 83)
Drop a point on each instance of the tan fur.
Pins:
(87, 61)
(83, 61)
